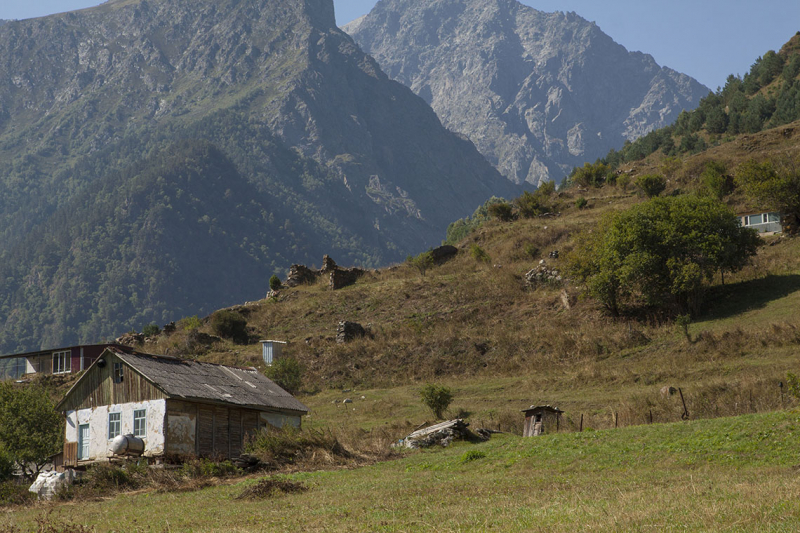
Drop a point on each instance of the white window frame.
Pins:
(116, 424)
(140, 431)
(62, 362)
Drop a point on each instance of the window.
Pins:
(113, 425)
(117, 372)
(755, 219)
(62, 362)
(773, 217)
(140, 423)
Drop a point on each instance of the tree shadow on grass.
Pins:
(726, 301)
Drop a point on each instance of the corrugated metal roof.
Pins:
(193, 380)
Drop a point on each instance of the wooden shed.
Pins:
(541, 419)
(176, 407)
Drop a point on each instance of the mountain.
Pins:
(538, 93)
(165, 157)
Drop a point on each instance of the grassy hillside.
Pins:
(733, 474)
(475, 326)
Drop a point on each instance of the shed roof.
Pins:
(549, 408)
(195, 380)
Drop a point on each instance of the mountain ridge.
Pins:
(338, 158)
(538, 93)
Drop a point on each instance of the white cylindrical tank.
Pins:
(127, 445)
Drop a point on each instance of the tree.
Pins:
(662, 253)
(651, 184)
(287, 372)
(151, 330)
(422, 262)
(538, 202)
(30, 427)
(437, 398)
(772, 184)
(274, 282)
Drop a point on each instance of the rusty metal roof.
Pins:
(194, 380)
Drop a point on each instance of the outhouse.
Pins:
(271, 351)
(541, 419)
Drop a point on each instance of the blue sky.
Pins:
(707, 39)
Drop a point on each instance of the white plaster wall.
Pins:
(97, 418)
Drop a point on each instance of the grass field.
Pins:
(726, 474)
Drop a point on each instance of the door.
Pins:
(83, 442)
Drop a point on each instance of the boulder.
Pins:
(442, 254)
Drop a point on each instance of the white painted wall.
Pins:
(97, 418)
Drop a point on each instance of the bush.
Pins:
(651, 184)
(6, 464)
(472, 455)
(274, 282)
(591, 175)
(422, 262)
(502, 211)
(151, 330)
(623, 180)
(190, 323)
(437, 398)
(287, 372)
(479, 254)
(289, 444)
(531, 250)
(12, 493)
(537, 203)
(202, 468)
(715, 180)
(230, 325)
(581, 202)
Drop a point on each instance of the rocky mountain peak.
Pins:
(538, 93)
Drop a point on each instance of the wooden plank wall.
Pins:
(221, 431)
(97, 388)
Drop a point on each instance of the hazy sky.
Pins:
(707, 39)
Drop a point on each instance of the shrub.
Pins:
(422, 262)
(287, 372)
(274, 282)
(581, 202)
(531, 250)
(538, 202)
(683, 321)
(716, 181)
(6, 464)
(479, 254)
(437, 398)
(289, 444)
(591, 175)
(190, 323)
(202, 468)
(623, 180)
(151, 330)
(502, 211)
(651, 184)
(230, 324)
(472, 455)
(12, 493)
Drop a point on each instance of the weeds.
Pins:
(270, 487)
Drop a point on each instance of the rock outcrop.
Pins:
(538, 93)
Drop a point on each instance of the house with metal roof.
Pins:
(170, 407)
(67, 360)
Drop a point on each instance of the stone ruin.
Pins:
(347, 331)
(338, 277)
(542, 274)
